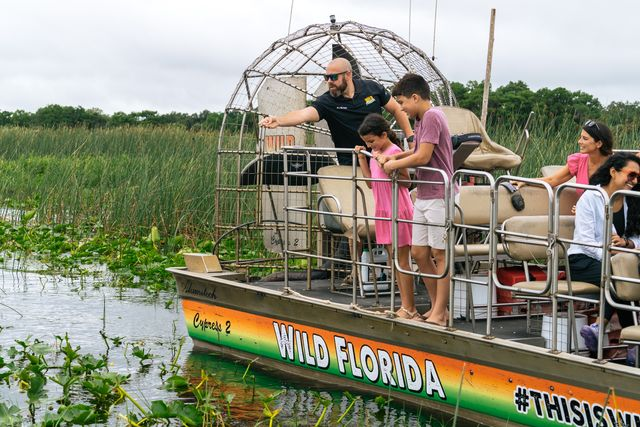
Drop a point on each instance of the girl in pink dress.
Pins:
(379, 137)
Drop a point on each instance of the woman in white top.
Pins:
(619, 172)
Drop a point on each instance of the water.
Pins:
(45, 306)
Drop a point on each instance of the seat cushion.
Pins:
(477, 249)
(578, 288)
(630, 333)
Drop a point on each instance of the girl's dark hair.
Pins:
(600, 132)
(632, 227)
(617, 161)
(375, 124)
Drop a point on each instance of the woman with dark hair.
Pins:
(619, 172)
(596, 145)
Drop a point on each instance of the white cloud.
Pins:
(189, 55)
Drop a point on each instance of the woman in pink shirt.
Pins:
(596, 145)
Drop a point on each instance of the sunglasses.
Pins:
(632, 175)
(590, 124)
(333, 77)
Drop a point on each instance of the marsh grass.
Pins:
(125, 178)
(131, 178)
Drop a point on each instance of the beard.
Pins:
(336, 91)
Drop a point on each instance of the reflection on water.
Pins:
(298, 401)
(43, 307)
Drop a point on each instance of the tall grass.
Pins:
(126, 178)
(552, 140)
(131, 178)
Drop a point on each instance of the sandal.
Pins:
(403, 313)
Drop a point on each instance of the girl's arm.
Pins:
(560, 177)
(364, 163)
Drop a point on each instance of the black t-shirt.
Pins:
(345, 115)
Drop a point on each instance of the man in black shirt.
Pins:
(344, 106)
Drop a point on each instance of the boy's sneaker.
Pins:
(632, 353)
(590, 335)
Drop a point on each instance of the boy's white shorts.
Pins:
(433, 212)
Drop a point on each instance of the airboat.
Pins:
(285, 212)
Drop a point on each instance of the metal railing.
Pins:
(553, 241)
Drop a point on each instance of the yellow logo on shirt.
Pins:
(369, 99)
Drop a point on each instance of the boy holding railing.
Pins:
(432, 148)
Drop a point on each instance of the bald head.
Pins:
(338, 65)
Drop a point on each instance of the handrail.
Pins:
(610, 286)
(492, 254)
(550, 239)
(604, 271)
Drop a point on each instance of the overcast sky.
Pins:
(188, 55)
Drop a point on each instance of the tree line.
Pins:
(514, 101)
(510, 103)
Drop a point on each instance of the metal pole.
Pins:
(487, 78)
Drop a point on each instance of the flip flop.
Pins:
(410, 316)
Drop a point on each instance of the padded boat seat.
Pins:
(578, 288)
(475, 203)
(630, 333)
(529, 248)
(626, 265)
(488, 155)
(342, 190)
(477, 249)
(546, 171)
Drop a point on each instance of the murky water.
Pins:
(44, 306)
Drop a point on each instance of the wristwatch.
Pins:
(410, 138)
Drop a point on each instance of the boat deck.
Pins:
(506, 327)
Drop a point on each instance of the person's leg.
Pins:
(435, 216)
(405, 281)
(439, 309)
(586, 269)
(422, 257)
(420, 249)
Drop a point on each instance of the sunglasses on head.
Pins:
(591, 123)
(333, 77)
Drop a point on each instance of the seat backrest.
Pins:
(523, 248)
(343, 191)
(489, 155)
(475, 202)
(626, 265)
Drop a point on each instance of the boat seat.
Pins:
(524, 249)
(546, 171)
(626, 265)
(488, 155)
(342, 190)
(577, 288)
(477, 249)
(630, 333)
(475, 203)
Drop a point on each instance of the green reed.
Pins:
(552, 140)
(130, 178)
(124, 178)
